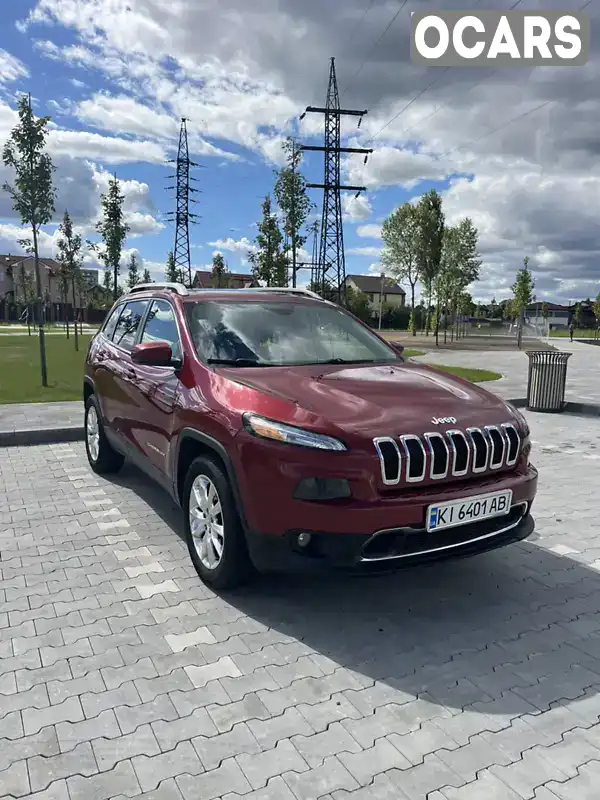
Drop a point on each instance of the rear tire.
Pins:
(213, 529)
(102, 457)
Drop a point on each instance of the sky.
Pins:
(515, 149)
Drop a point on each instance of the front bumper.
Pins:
(389, 548)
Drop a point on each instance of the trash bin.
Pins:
(547, 380)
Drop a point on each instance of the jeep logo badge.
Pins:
(444, 420)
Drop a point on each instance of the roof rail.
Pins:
(284, 290)
(178, 288)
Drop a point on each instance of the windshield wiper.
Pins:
(234, 362)
(347, 361)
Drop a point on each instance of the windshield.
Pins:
(281, 334)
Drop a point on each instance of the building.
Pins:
(393, 294)
(557, 316)
(17, 279)
(203, 279)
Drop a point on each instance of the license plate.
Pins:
(473, 509)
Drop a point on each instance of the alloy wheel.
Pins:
(92, 432)
(206, 522)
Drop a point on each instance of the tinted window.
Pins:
(161, 326)
(111, 322)
(280, 333)
(129, 323)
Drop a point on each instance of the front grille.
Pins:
(436, 456)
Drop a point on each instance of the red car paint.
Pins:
(159, 416)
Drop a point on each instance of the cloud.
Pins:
(371, 231)
(356, 209)
(374, 252)
(243, 245)
(11, 68)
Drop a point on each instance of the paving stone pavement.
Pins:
(122, 675)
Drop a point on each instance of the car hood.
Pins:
(377, 399)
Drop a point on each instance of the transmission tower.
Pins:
(331, 272)
(314, 263)
(182, 216)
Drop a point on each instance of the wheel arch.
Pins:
(192, 444)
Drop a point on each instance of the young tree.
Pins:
(431, 236)
(146, 277)
(32, 193)
(27, 290)
(70, 259)
(172, 274)
(269, 262)
(292, 198)
(358, 304)
(596, 309)
(400, 234)
(113, 231)
(522, 290)
(133, 272)
(220, 273)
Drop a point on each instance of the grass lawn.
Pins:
(20, 380)
(578, 333)
(413, 353)
(473, 375)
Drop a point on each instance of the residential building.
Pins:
(557, 316)
(203, 279)
(393, 294)
(17, 277)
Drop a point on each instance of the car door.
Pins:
(124, 394)
(157, 388)
(101, 360)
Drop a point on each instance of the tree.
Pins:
(459, 266)
(32, 193)
(292, 198)
(70, 259)
(172, 274)
(430, 241)
(113, 231)
(400, 234)
(26, 285)
(269, 261)
(578, 316)
(133, 272)
(596, 309)
(522, 290)
(146, 277)
(220, 273)
(357, 303)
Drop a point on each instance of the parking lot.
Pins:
(122, 675)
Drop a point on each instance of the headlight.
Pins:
(268, 429)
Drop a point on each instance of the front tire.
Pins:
(213, 529)
(102, 458)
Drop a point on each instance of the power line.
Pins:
(374, 47)
(360, 21)
(432, 83)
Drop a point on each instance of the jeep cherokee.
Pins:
(291, 434)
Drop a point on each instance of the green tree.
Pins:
(431, 238)
(522, 290)
(494, 309)
(113, 231)
(293, 201)
(596, 309)
(459, 266)
(220, 273)
(146, 277)
(133, 272)
(70, 259)
(578, 316)
(172, 274)
(358, 304)
(400, 233)
(32, 192)
(27, 291)
(269, 261)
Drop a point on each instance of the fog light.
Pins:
(304, 539)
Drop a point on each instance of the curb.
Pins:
(582, 409)
(36, 436)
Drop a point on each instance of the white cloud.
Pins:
(11, 68)
(243, 245)
(371, 231)
(356, 209)
(108, 149)
(374, 252)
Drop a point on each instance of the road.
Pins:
(122, 675)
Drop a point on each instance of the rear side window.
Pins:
(129, 323)
(111, 322)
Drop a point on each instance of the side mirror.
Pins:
(153, 354)
(399, 348)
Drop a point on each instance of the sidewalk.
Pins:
(40, 423)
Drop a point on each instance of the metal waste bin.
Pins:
(547, 380)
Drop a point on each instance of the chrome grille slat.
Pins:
(438, 455)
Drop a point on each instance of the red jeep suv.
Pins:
(292, 434)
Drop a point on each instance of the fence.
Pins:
(54, 313)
